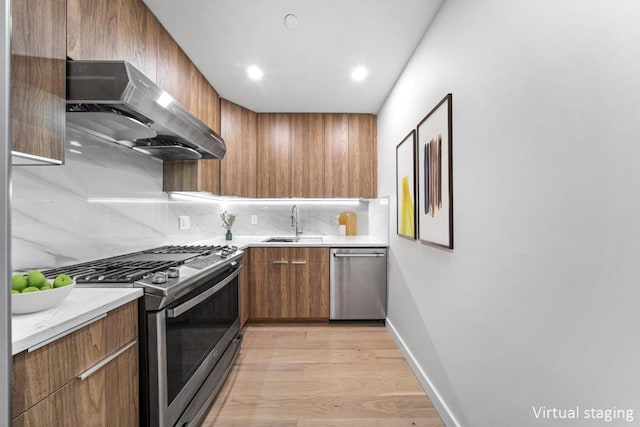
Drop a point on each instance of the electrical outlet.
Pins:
(184, 222)
(254, 219)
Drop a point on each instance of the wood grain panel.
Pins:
(286, 375)
(310, 282)
(38, 77)
(238, 168)
(174, 69)
(48, 374)
(274, 155)
(121, 390)
(245, 288)
(81, 403)
(362, 156)
(272, 296)
(269, 254)
(336, 163)
(113, 30)
(121, 326)
(180, 175)
(40, 415)
(259, 284)
(307, 155)
(76, 352)
(31, 379)
(212, 108)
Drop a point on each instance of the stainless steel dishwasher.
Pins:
(358, 278)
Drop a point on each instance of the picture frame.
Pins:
(406, 203)
(435, 175)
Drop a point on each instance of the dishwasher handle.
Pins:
(371, 255)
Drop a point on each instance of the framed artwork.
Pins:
(405, 187)
(435, 176)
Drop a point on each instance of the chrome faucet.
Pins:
(294, 219)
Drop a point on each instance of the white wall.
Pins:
(539, 302)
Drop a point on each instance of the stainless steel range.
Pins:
(189, 323)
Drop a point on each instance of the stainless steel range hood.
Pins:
(115, 101)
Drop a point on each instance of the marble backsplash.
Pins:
(107, 200)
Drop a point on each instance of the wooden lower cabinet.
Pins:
(87, 378)
(289, 283)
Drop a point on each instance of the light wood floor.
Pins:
(321, 375)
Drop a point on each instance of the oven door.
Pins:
(186, 340)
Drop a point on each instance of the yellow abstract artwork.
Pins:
(407, 221)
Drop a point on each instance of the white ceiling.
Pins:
(306, 70)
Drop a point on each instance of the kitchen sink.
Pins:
(292, 239)
(282, 240)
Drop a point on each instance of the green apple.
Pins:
(18, 282)
(45, 287)
(62, 280)
(36, 279)
(14, 291)
(30, 289)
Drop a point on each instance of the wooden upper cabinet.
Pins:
(174, 69)
(238, 168)
(38, 78)
(336, 162)
(113, 30)
(274, 155)
(307, 155)
(362, 156)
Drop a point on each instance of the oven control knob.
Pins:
(159, 278)
(173, 272)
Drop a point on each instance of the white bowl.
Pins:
(32, 302)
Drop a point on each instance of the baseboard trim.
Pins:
(443, 410)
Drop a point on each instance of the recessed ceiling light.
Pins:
(254, 72)
(291, 22)
(359, 74)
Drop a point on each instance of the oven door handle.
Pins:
(172, 313)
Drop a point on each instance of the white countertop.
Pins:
(243, 242)
(82, 305)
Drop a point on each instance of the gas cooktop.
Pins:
(141, 265)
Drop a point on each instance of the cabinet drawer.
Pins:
(107, 397)
(39, 373)
(290, 254)
(269, 254)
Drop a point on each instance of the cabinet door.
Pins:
(108, 397)
(271, 297)
(362, 156)
(271, 294)
(174, 69)
(38, 82)
(113, 30)
(122, 390)
(310, 282)
(307, 155)
(238, 168)
(80, 403)
(274, 155)
(39, 415)
(336, 163)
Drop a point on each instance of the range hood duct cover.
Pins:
(115, 101)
